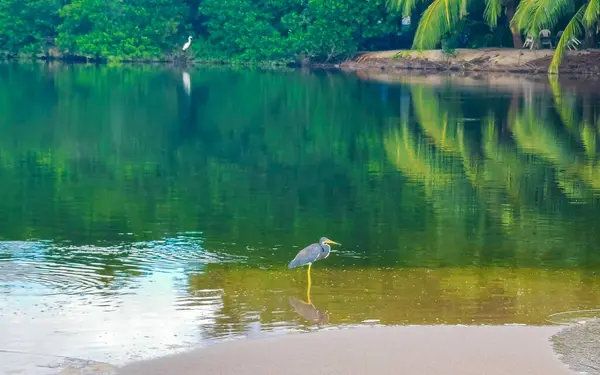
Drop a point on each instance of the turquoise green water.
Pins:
(146, 210)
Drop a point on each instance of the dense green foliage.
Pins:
(114, 28)
(231, 29)
(28, 26)
(276, 29)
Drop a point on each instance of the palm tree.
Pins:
(535, 15)
(441, 16)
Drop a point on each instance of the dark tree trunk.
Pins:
(511, 8)
(590, 37)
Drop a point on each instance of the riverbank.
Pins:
(490, 60)
(586, 62)
(416, 350)
(178, 59)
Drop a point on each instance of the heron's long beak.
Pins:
(333, 242)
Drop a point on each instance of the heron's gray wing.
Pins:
(307, 255)
(324, 252)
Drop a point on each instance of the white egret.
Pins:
(187, 45)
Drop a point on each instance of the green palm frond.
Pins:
(407, 6)
(493, 9)
(573, 30)
(534, 15)
(463, 7)
(522, 15)
(592, 13)
(548, 13)
(437, 20)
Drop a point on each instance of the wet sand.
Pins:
(464, 350)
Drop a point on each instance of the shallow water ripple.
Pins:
(110, 304)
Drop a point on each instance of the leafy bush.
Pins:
(28, 26)
(115, 28)
(323, 30)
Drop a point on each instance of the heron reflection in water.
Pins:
(308, 311)
(309, 255)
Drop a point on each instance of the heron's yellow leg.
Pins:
(308, 285)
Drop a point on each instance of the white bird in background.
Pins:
(187, 45)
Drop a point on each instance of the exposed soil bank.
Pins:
(465, 350)
(585, 62)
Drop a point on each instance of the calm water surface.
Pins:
(145, 211)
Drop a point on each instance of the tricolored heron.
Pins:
(311, 254)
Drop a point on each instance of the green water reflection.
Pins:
(411, 175)
(456, 203)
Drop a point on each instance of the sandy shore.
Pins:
(464, 350)
(584, 62)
